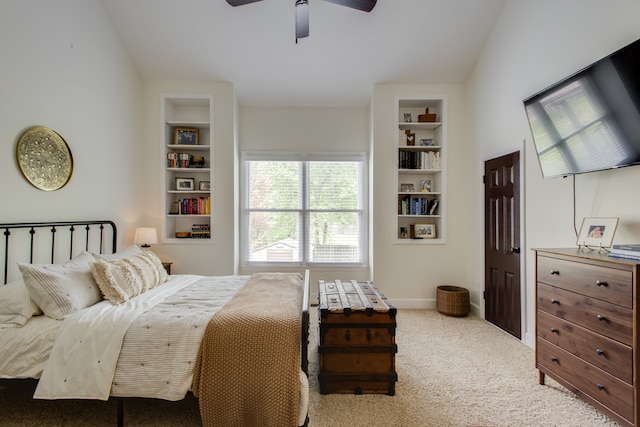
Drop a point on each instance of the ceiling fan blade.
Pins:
(302, 19)
(235, 3)
(364, 5)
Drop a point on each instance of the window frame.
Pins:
(304, 211)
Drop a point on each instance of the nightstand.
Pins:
(167, 266)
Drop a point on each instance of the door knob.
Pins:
(515, 250)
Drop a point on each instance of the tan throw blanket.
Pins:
(248, 367)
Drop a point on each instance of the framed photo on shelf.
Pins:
(407, 188)
(204, 185)
(423, 231)
(185, 184)
(597, 232)
(425, 185)
(407, 117)
(186, 136)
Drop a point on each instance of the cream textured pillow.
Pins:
(125, 253)
(61, 289)
(16, 306)
(122, 279)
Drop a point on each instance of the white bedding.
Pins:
(158, 350)
(24, 351)
(154, 368)
(90, 342)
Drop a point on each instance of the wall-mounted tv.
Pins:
(589, 121)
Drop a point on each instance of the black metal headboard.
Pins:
(36, 241)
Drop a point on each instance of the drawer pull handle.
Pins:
(555, 301)
(602, 283)
(600, 386)
(555, 272)
(347, 335)
(554, 359)
(368, 334)
(554, 331)
(599, 352)
(601, 318)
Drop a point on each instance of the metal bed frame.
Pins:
(106, 236)
(105, 229)
(54, 227)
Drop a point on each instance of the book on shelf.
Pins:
(408, 205)
(419, 160)
(191, 206)
(201, 231)
(178, 160)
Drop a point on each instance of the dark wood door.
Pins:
(502, 242)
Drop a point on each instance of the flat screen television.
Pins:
(589, 121)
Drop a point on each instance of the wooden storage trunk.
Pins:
(357, 339)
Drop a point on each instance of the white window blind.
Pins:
(303, 209)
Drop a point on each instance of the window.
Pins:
(302, 209)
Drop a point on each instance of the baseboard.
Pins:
(529, 339)
(413, 303)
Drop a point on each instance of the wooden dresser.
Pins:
(357, 339)
(587, 328)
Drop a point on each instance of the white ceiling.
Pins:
(348, 51)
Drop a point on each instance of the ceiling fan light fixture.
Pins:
(302, 11)
(302, 19)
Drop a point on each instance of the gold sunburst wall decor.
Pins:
(44, 158)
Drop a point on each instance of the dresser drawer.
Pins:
(610, 320)
(608, 284)
(599, 385)
(607, 354)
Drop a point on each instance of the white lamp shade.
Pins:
(145, 236)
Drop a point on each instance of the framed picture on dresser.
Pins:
(597, 232)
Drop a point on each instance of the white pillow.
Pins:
(122, 279)
(16, 306)
(125, 253)
(61, 289)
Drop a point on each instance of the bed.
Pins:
(73, 308)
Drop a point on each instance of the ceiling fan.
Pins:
(302, 11)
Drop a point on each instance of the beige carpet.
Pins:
(452, 372)
(457, 372)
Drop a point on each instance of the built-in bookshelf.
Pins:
(421, 177)
(187, 156)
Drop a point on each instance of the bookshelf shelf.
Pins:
(421, 157)
(187, 210)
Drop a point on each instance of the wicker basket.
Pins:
(428, 117)
(453, 301)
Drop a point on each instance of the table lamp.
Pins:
(145, 236)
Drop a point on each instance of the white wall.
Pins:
(311, 129)
(409, 274)
(534, 44)
(63, 67)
